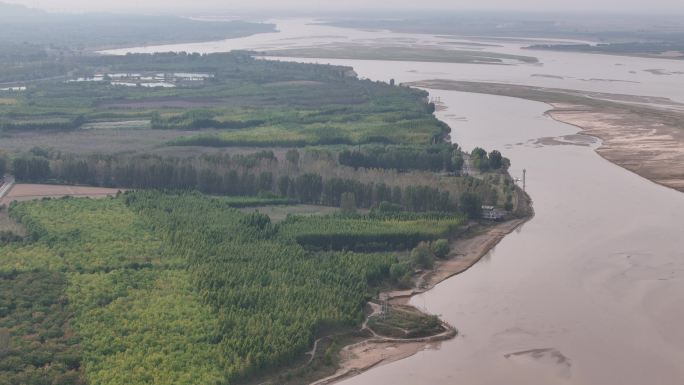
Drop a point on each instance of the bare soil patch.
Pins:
(25, 192)
(280, 213)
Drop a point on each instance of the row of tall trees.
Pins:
(433, 158)
(49, 124)
(31, 169)
(3, 165)
(221, 175)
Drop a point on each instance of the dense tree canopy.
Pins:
(433, 158)
(184, 288)
(492, 161)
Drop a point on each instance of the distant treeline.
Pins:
(627, 48)
(3, 165)
(52, 124)
(433, 158)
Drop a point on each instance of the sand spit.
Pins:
(638, 143)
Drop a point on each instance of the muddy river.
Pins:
(591, 290)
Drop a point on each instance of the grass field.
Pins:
(279, 213)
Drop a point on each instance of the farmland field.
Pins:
(24, 192)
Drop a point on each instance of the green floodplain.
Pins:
(184, 279)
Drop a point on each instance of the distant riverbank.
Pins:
(642, 134)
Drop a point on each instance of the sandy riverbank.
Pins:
(644, 135)
(372, 352)
(638, 143)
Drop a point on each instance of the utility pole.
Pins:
(384, 306)
(524, 174)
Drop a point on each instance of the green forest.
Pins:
(151, 287)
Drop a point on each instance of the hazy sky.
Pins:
(651, 6)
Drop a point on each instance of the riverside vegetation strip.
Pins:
(168, 285)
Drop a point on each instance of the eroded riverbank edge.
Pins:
(644, 135)
(465, 253)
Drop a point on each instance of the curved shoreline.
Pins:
(374, 351)
(643, 135)
(465, 252)
(556, 110)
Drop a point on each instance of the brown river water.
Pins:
(591, 290)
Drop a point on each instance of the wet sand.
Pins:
(642, 134)
(645, 146)
(362, 356)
